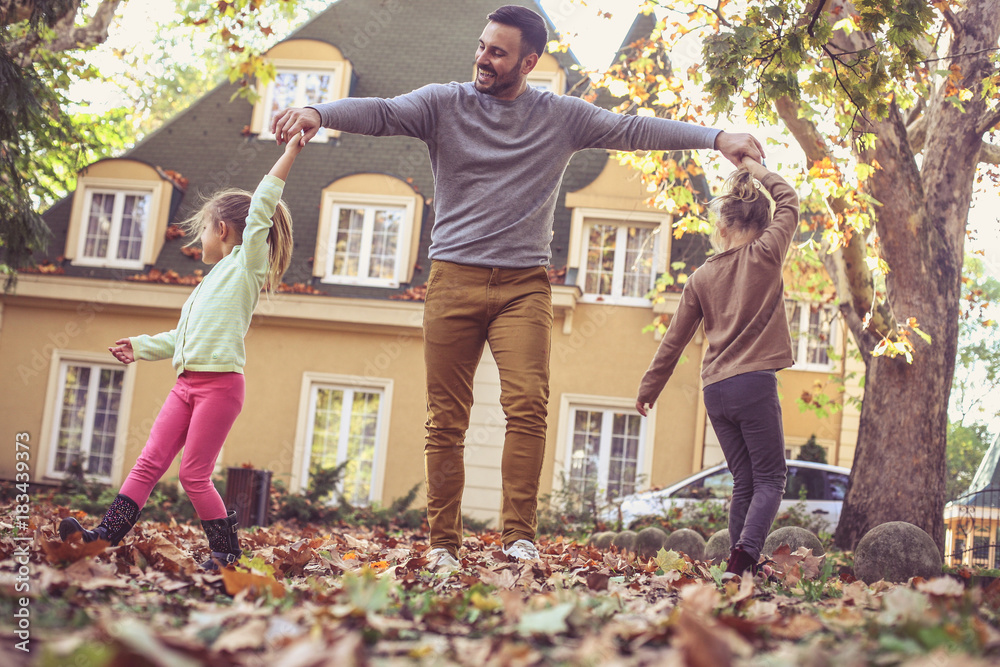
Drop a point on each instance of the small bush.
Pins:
(704, 517)
(322, 503)
(571, 511)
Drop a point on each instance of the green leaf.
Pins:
(549, 621)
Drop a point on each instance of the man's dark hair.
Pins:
(534, 34)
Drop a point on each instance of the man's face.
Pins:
(500, 70)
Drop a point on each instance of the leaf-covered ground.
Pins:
(347, 596)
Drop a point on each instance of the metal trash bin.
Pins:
(248, 491)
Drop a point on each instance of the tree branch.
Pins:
(68, 35)
(989, 119)
(847, 265)
(916, 133)
(817, 11)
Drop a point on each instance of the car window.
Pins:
(804, 484)
(836, 485)
(720, 485)
(716, 485)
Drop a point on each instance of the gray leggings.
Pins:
(746, 415)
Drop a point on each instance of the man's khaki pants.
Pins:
(511, 309)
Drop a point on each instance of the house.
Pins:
(972, 521)
(335, 366)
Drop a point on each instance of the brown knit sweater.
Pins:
(740, 296)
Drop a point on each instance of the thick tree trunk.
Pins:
(899, 465)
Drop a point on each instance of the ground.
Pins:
(342, 596)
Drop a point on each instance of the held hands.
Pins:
(123, 351)
(756, 169)
(294, 122)
(736, 146)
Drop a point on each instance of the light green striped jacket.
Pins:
(216, 317)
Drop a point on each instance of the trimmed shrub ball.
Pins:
(602, 540)
(717, 547)
(625, 541)
(794, 537)
(686, 541)
(896, 551)
(649, 541)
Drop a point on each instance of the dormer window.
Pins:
(369, 231)
(120, 211)
(116, 223)
(307, 72)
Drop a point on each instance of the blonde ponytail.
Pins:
(743, 207)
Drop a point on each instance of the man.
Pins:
(498, 150)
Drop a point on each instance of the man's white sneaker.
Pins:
(441, 561)
(521, 550)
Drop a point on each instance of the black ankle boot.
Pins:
(117, 521)
(740, 561)
(222, 540)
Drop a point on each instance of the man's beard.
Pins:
(501, 84)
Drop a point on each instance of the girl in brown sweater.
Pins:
(739, 295)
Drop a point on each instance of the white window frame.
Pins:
(584, 221)
(336, 72)
(52, 412)
(800, 342)
(311, 382)
(335, 201)
(114, 235)
(554, 82)
(569, 404)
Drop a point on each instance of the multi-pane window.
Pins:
(298, 88)
(619, 262)
(365, 245)
(604, 452)
(114, 226)
(345, 427)
(87, 417)
(812, 330)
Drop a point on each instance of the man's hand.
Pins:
(737, 146)
(643, 408)
(294, 122)
(123, 351)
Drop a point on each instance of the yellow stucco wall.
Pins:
(279, 352)
(600, 353)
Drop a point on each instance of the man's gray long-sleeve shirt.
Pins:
(498, 163)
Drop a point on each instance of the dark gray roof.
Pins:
(984, 491)
(394, 47)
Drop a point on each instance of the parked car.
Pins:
(821, 486)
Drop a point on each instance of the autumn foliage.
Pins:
(342, 595)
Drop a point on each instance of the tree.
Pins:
(890, 100)
(42, 49)
(977, 377)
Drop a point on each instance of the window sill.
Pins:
(358, 282)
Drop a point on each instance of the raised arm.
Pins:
(287, 159)
(778, 236)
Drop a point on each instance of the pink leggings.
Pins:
(196, 416)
